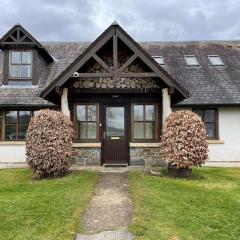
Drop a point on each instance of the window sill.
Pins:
(12, 143)
(97, 144)
(215, 141)
(142, 144)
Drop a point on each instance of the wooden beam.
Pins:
(85, 57)
(59, 90)
(18, 34)
(137, 75)
(151, 63)
(127, 63)
(94, 75)
(123, 75)
(13, 38)
(171, 90)
(115, 90)
(20, 40)
(102, 63)
(19, 43)
(115, 56)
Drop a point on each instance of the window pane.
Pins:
(26, 71)
(159, 59)
(115, 121)
(149, 111)
(149, 130)
(191, 60)
(138, 130)
(210, 128)
(15, 71)
(11, 117)
(82, 130)
(26, 57)
(81, 112)
(92, 130)
(10, 132)
(209, 116)
(138, 112)
(22, 131)
(199, 112)
(24, 117)
(215, 60)
(16, 57)
(92, 113)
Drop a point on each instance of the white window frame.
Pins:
(159, 57)
(215, 56)
(20, 64)
(190, 64)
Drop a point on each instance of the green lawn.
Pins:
(206, 209)
(46, 209)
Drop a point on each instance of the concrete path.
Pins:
(108, 235)
(109, 209)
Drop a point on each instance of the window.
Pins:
(215, 60)
(144, 122)
(14, 124)
(87, 118)
(210, 118)
(191, 60)
(20, 64)
(159, 59)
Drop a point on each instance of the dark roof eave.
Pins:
(205, 104)
(28, 105)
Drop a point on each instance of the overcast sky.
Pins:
(144, 20)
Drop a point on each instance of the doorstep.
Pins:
(109, 169)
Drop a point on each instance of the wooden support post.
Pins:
(166, 104)
(64, 102)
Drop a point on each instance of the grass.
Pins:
(46, 209)
(204, 209)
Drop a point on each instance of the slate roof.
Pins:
(207, 84)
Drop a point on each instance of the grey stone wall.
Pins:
(87, 156)
(139, 156)
(145, 156)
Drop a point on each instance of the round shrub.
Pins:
(184, 142)
(49, 143)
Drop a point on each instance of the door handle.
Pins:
(104, 134)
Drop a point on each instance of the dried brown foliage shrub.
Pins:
(184, 142)
(49, 143)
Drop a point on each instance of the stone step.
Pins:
(117, 165)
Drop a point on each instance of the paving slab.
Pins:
(107, 235)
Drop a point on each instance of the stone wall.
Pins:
(139, 156)
(87, 156)
(145, 156)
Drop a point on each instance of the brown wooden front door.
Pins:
(115, 149)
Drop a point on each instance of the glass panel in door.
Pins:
(115, 122)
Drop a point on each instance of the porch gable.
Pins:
(114, 35)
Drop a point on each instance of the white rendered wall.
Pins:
(12, 155)
(227, 153)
